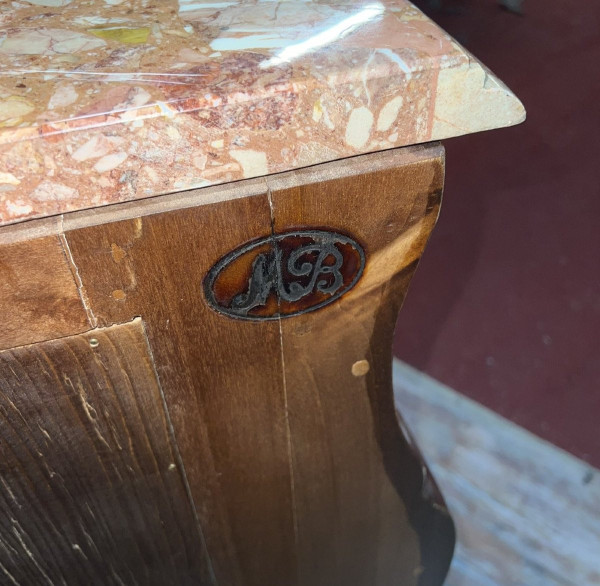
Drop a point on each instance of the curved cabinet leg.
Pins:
(366, 511)
(269, 306)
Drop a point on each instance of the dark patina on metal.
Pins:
(284, 274)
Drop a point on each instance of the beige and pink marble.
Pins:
(104, 101)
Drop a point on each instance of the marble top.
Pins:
(105, 101)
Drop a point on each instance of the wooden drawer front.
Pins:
(91, 491)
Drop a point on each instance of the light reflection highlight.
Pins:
(330, 35)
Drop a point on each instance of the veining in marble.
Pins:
(105, 101)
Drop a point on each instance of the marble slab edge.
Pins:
(133, 147)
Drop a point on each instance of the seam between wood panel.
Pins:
(284, 380)
(76, 276)
(179, 459)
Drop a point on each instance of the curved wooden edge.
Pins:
(296, 464)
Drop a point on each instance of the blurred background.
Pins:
(505, 305)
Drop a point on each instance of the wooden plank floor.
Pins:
(526, 512)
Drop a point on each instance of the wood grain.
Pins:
(364, 513)
(91, 489)
(222, 378)
(39, 299)
(298, 471)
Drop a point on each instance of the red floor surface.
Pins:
(505, 306)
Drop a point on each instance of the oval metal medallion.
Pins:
(284, 274)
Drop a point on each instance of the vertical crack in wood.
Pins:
(179, 458)
(76, 277)
(284, 382)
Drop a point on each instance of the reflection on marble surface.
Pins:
(113, 100)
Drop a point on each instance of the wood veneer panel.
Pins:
(222, 378)
(91, 490)
(39, 299)
(364, 512)
(298, 468)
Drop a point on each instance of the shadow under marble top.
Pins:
(113, 100)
